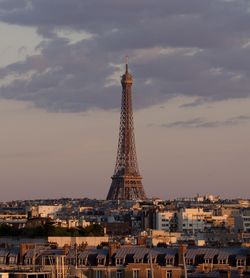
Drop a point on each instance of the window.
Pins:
(99, 274)
(28, 261)
(101, 261)
(119, 274)
(12, 260)
(189, 261)
(151, 259)
(136, 273)
(81, 261)
(208, 261)
(169, 261)
(240, 262)
(149, 273)
(169, 274)
(119, 261)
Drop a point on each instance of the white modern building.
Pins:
(192, 220)
(45, 210)
(242, 221)
(165, 220)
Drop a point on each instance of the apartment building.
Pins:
(192, 220)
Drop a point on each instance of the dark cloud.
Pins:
(202, 123)
(177, 47)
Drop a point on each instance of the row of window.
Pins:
(191, 225)
(136, 273)
(169, 261)
(246, 218)
(100, 274)
(207, 261)
(240, 262)
(72, 261)
(12, 260)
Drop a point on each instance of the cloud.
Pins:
(191, 48)
(202, 123)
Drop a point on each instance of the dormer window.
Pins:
(12, 260)
(82, 261)
(119, 261)
(223, 261)
(100, 261)
(169, 262)
(28, 261)
(189, 261)
(153, 260)
(208, 261)
(241, 262)
(138, 261)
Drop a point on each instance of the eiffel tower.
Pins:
(126, 180)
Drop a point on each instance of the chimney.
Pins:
(113, 246)
(181, 253)
(65, 249)
(23, 247)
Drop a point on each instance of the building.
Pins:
(161, 237)
(45, 211)
(166, 220)
(35, 260)
(242, 221)
(192, 220)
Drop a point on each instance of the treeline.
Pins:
(50, 230)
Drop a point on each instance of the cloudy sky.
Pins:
(60, 66)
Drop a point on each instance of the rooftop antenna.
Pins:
(150, 254)
(185, 266)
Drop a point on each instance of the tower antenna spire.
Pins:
(126, 62)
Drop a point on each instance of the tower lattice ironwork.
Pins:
(126, 180)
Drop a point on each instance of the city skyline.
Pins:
(60, 69)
